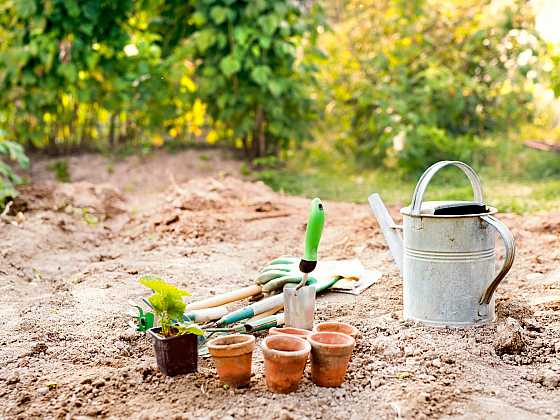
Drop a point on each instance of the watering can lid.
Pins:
(450, 209)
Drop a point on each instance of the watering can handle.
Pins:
(426, 177)
(509, 244)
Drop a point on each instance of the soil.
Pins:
(71, 260)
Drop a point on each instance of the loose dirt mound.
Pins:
(210, 209)
(103, 200)
(212, 194)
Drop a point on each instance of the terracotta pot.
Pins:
(175, 355)
(285, 357)
(297, 332)
(330, 354)
(233, 356)
(339, 327)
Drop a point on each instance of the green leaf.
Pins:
(241, 34)
(87, 28)
(268, 24)
(280, 8)
(198, 18)
(72, 7)
(275, 87)
(25, 8)
(15, 153)
(219, 14)
(265, 42)
(167, 301)
(229, 65)
(204, 39)
(189, 328)
(68, 70)
(158, 285)
(260, 74)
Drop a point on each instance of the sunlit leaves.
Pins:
(204, 39)
(260, 74)
(256, 57)
(402, 73)
(167, 301)
(219, 14)
(230, 65)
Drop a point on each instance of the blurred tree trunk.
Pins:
(112, 124)
(259, 139)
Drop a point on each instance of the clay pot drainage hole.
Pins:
(330, 354)
(285, 357)
(233, 356)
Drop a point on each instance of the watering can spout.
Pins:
(391, 231)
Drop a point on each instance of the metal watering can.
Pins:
(446, 254)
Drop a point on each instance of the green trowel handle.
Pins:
(313, 234)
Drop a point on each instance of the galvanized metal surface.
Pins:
(299, 307)
(391, 232)
(449, 261)
(447, 265)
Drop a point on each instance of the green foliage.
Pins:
(10, 152)
(90, 72)
(168, 305)
(103, 73)
(251, 73)
(61, 170)
(410, 83)
(428, 144)
(404, 83)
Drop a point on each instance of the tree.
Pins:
(251, 71)
(412, 83)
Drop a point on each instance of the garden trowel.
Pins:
(299, 301)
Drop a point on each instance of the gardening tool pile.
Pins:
(285, 284)
(445, 253)
(217, 317)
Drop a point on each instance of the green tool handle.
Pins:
(321, 287)
(313, 234)
(263, 323)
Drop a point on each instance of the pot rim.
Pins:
(248, 339)
(282, 330)
(154, 332)
(354, 330)
(350, 341)
(286, 353)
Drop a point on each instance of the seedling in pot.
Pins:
(175, 341)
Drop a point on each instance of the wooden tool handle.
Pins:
(224, 298)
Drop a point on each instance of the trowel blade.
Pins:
(299, 307)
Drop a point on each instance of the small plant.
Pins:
(61, 170)
(8, 179)
(168, 305)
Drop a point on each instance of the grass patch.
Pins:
(61, 170)
(343, 182)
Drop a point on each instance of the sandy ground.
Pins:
(67, 273)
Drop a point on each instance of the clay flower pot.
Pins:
(297, 332)
(330, 354)
(175, 355)
(233, 356)
(339, 327)
(285, 357)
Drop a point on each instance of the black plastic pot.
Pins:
(175, 355)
